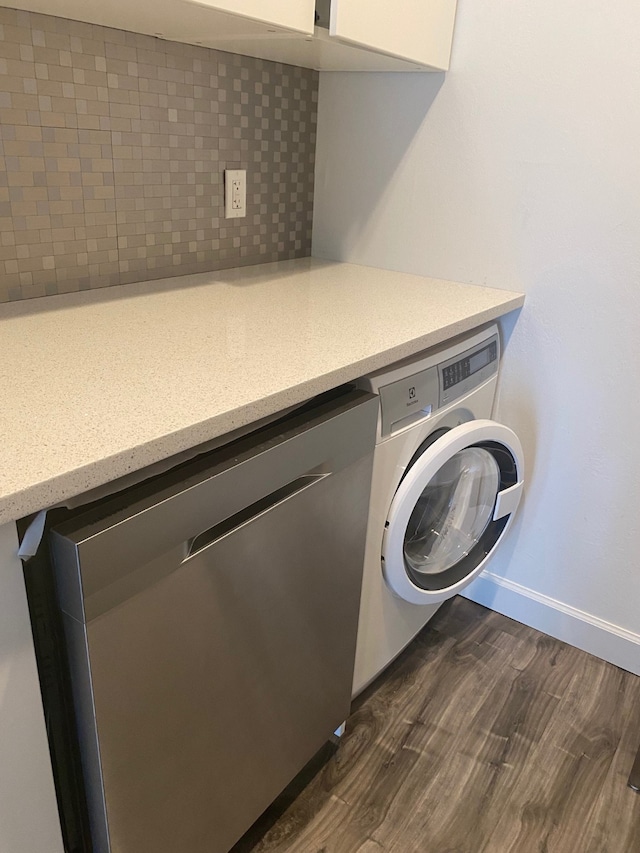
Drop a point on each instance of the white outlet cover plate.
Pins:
(235, 193)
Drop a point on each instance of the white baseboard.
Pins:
(583, 630)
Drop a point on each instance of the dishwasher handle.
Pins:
(207, 538)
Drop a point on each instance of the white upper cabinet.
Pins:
(295, 15)
(418, 30)
(190, 21)
(361, 35)
(329, 35)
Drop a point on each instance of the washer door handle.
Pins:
(507, 501)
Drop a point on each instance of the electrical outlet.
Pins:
(235, 193)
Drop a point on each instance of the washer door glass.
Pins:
(452, 512)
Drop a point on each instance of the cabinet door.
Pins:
(289, 14)
(190, 21)
(25, 764)
(419, 30)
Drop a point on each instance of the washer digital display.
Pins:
(460, 370)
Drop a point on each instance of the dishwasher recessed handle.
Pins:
(208, 537)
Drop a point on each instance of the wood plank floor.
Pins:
(485, 736)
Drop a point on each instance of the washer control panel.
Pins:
(465, 372)
(413, 389)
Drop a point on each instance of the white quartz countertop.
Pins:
(98, 384)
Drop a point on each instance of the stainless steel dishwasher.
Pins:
(210, 620)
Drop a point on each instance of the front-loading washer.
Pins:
(446, 483)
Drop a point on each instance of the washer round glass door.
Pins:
(451, 508)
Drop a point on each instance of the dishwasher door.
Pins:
(211, 622)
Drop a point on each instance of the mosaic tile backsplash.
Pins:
(112, 152)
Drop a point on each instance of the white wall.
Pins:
(521, 169)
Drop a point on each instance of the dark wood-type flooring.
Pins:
(485, 736)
